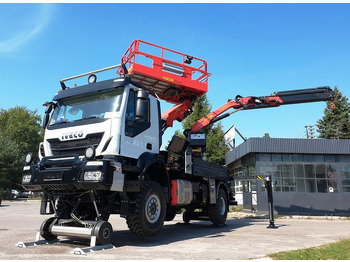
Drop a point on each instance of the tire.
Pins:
(170, 213)
(44, 230)
(149, 212)
(186, 217)
(103, 232)
(218, 212)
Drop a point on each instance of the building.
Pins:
(309, 176)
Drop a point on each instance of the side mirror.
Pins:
(142, 105)
(49, 106)
(46, 120)
(142, 94)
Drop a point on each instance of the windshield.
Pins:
(92, 105)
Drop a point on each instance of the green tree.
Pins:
(201, 108)
(266, 135)
(22, 126)
(335, 123)
(11, 163)
(20, 133)
(215, 151)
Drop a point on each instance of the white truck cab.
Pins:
(114, 117)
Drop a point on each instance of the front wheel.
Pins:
(45, 230)
(150, 211)
(103, 232)
(218, 212)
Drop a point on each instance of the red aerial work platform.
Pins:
(171, 79)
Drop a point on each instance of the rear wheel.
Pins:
(218, 212)
(170, 213)
(150, 210)
(186, 217)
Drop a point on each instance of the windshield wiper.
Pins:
(85, 118)
(57, 123)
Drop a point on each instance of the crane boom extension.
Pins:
(276, 99)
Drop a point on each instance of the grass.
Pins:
(336, 251)
(235, 208)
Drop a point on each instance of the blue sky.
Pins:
(251, 50)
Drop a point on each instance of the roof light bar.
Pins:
(90, 73)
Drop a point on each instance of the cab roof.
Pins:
(93, 87)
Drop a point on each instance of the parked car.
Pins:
(24, 194)
(14, 193)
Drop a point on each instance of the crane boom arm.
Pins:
(178, 112)
(276, 99)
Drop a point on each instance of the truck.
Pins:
(101, 153)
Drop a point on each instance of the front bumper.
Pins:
(66, 173)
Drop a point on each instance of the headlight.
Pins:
(41, 149)
(29, 158)
(93, 176)
(90, 153)
(26, 179)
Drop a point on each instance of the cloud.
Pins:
(38, 21)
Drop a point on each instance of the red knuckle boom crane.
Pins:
(183, 80)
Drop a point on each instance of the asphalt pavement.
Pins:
(239, 239)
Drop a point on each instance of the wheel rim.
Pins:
(222, 206)
(153, 208)
(106, 233)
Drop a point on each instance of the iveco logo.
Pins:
(72, 135)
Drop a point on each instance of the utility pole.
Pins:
(307, 133)
(310, 129)
(311, 132)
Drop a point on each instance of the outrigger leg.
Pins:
(268, 186)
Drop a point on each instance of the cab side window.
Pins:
(134, 126)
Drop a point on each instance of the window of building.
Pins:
(344, 158)
(309, 171)
(297, 158)
(276, 157)
(321, 179)
(300, 185)
(299, 171)
(308, 158)
(345, 174)
(310, 185)
(248, 160)
(238, 186)
(332, 179)
(288, 181)
(319, 158)
(264, 157)
(329, 158)
(310, 178)
(287, 157)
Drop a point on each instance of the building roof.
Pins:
(289, 146)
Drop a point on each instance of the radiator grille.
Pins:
(78, 147)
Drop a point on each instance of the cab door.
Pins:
(141, 130)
